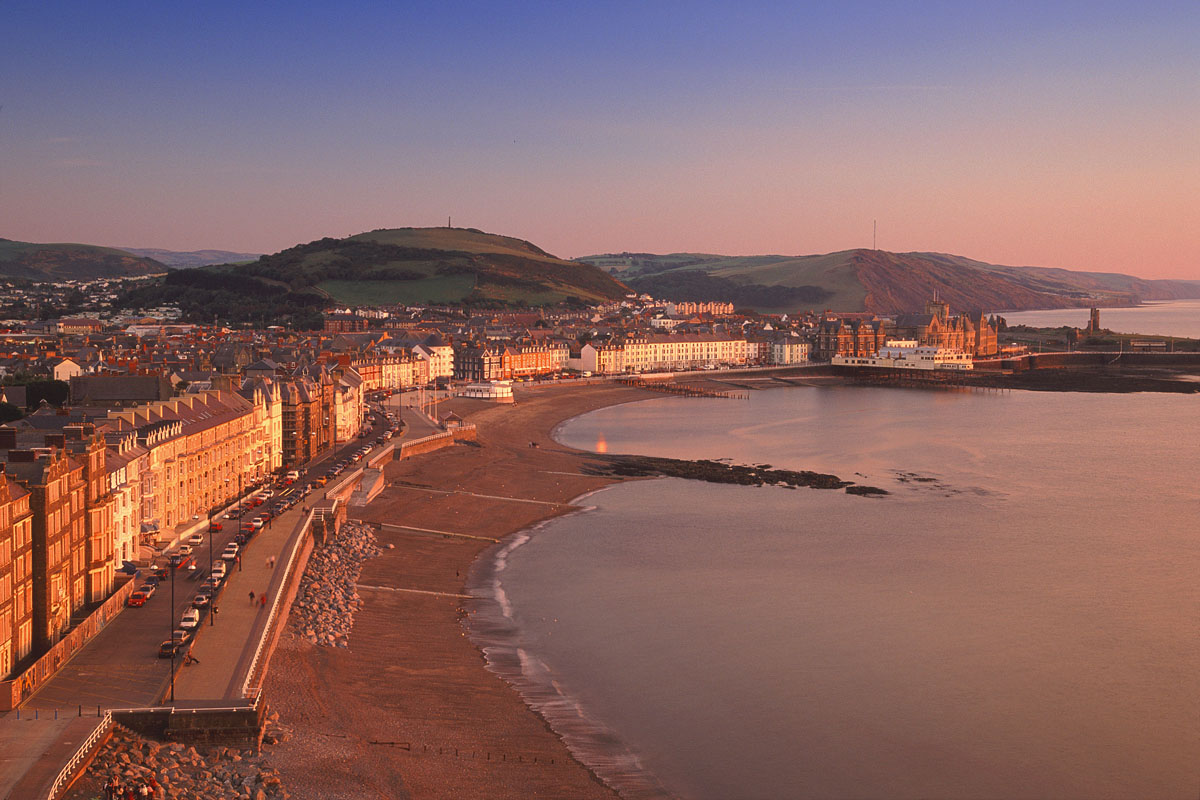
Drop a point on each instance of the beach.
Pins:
(409, 708)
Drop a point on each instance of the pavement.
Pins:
(222, 646)
(120, 668)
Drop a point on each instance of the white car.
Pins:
(218, 569)
(184, 550)
(190, 620)
(196, 539)
(231, 552)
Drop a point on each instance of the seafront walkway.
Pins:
(226, 641)
(119, 668)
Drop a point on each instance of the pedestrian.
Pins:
(251, 597)
(262, 601)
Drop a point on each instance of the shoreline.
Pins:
(411, 708)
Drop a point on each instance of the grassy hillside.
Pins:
(58, 262)
(443, 266)
(448, 265)
(878, 281)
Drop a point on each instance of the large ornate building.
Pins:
(974, 334)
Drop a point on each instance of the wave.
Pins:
(492, 628)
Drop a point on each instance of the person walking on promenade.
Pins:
(251, 597)
(262, 601)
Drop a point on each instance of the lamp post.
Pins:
(211, 595)
(174, 561)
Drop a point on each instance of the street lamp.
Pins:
(174, 562)
(211, 595)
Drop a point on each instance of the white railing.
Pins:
(67, 772)
(287, 577)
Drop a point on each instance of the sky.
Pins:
(1024, 133)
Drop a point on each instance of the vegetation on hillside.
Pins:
(403, 266)
(59, 262)
(887, 283)
(698, 286)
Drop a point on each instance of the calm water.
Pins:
(1177, 318)
(1019, 619)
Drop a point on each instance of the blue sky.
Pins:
(1056, 134)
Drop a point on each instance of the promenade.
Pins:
(120, 668)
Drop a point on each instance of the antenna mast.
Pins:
(874, 229)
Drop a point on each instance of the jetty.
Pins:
(683, 390)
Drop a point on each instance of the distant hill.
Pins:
(58, 262)
(877, 281)
(433, 265)
(384, 267)
(177, 259)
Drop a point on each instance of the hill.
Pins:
(877, 281)
(445, 266)
(59, 262)
(186, 259)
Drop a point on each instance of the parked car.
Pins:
(137, 598)
(171, 648)
(231, 552)
(152, 580)
(148, 588)
(214, 526)
(197, 539)
(162, 573)
(184, 550)
(190, 619)
(201, 599)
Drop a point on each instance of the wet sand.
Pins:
(409, 709)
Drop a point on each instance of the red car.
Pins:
(214, 527)
(137, 599)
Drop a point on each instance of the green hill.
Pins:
(443, 266)
(877, 281)
(61, 262)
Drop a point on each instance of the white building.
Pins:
(907, 354)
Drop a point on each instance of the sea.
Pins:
(1018, 618)
(1174, 318)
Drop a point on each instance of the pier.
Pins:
(682, 390)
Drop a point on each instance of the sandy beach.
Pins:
(408, 709)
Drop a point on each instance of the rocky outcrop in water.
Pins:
(719, 472)
(324, 608)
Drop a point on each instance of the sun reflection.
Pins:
(601, 444)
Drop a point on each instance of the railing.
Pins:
(64, 776)
(279, 595)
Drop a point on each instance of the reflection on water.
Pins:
(1017, 620)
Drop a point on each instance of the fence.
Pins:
(84, 754)
(294, 566)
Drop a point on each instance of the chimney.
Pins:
(8, 438)
(73, 432)
(56, 440)
(26, 456)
